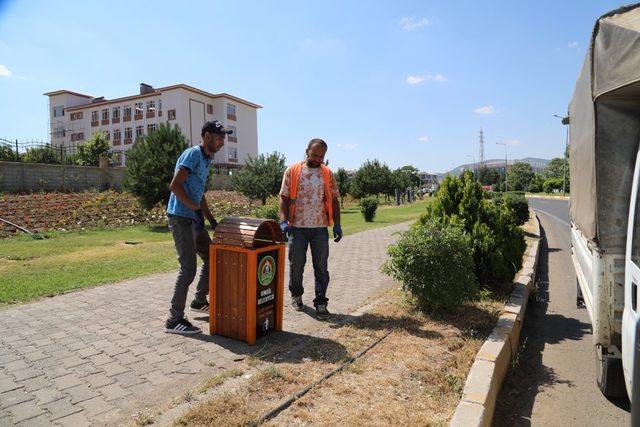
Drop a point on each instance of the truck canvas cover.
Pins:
(605, 128)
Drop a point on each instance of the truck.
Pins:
(604, 207)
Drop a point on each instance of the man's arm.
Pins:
(177, 188)
(204, 207)
(284, 208)
(336, 210)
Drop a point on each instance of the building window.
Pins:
(107, 135)
(139, 131)
(231, 112)
(127, 111)
(59, 132)
(77, 136)
(159, 108)
(76, 116)
(58, 111)
(105, 114)
(115, 113)
(139, 110)
(116, 135)
(152, 128)
(171, 115)
(233, 153)
(209, 109)
(128, 133)
(94, 116)
(233, 136)
(151, 106)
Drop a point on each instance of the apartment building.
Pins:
(74, 117)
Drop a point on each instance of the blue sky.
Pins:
(405, 82)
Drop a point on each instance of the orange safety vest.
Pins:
(296, 171)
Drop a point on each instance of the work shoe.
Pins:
(200, 307)
(321, 312)
(296, 303)
(182, 326)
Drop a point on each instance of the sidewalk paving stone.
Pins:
(110, 358)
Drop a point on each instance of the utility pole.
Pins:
(506, 176)
(481, 153)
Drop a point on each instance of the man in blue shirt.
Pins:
(186, 212)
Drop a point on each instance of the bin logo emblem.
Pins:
(266, 270)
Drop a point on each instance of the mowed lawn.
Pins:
(30, 269)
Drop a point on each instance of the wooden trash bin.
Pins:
(246, 278)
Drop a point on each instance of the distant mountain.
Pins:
(537, 164)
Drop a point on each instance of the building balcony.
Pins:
(231, 117)
(232, 160)
(126, 119)
(138, 116)
(94, 124)
(151, 114)
(116, 142)
(127, 141)
(115, 120)
(232, 139)
(105, 122)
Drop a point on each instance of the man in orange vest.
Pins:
(308, 205)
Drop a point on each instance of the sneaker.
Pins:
(321, 312)
(182, 326)
(296, 303)
(200, 307)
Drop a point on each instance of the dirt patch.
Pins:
(414, 375)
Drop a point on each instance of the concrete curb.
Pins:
(494, 357)
(545, 196)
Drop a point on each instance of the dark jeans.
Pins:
(299, 240)
(190, 241)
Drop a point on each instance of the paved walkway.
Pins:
(98, 356)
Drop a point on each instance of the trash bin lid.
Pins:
(249, 233)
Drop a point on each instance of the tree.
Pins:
(6, 153)
(89, 152)
(413, 174)
(261, 177)
(44, 154)
(552, 184)
(536, 184)
(344, 182)
(556, 169)
(372, 178)
(488, 176)
(151, 163)
(520, 176)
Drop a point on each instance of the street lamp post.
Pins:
(565, 122)
(506, 178)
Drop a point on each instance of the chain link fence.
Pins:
(38, 151)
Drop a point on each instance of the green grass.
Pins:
(31, 269)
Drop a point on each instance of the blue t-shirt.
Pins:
(198, 164)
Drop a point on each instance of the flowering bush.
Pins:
(76, 211)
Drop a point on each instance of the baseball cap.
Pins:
(215, 127)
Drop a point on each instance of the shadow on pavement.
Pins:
(528, 375)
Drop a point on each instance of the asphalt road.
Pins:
(554, 382)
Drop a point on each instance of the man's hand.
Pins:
(285, 227)
(337, 233)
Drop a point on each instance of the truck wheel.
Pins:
(609, 374)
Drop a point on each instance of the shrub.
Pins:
(434, 263)
(518, 204)
(498, 242)
(6, 153)
(267, 211)
(552, 184)
(368, 207)
(151, 163)
(44, 154)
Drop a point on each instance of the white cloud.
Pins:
(414, 80)
(487, 109)
(346, 146)
(440, 78)
(573, 44)
(4, 71)
(423, 139)
(410, 24)
(513, 142)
